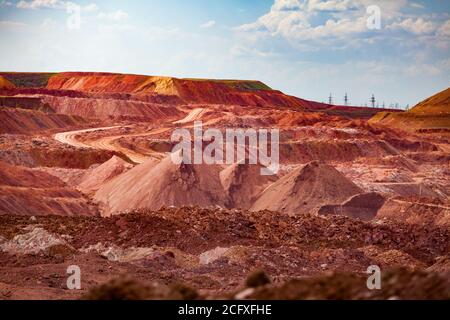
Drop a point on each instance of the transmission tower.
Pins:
(346, 99)
(372, 101)
(330, 99)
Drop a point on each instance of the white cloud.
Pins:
(38, 4)
(208, 24)
(242, 51)
(113, 16)
(12, 24)
(54, 4)
(281, 5)
(444, 30)
(92, 7)
(48, 24)
(293, 19)
(416, 26)
(417, 5)
(333, 5)
(5, 3)
(299, 21)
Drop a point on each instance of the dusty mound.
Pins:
(6, 84)
(310, 186)
(439, 103)
(243, 183)
(93, 180)
(431, 115)
(362, 206)
(153, 186)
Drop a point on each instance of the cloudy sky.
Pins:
(308, 48)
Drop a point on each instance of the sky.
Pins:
(398, 50)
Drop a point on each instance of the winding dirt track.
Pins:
(110, 142)
(69, 137)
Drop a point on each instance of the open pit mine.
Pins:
(86, 180)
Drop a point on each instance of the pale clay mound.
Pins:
(155, 185)
(93, 180)
(243, 183)
(306, 188)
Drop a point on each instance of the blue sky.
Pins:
(308, 48)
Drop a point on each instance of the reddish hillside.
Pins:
(28, 192)
(27, 79)
(112, 109)
(251, 93)
(29, 121)
(16, 176)
(432, 114)
(5, 84)
(439, 103)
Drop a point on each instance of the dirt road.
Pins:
(109, 142)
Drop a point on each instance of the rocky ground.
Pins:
(214, 251)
